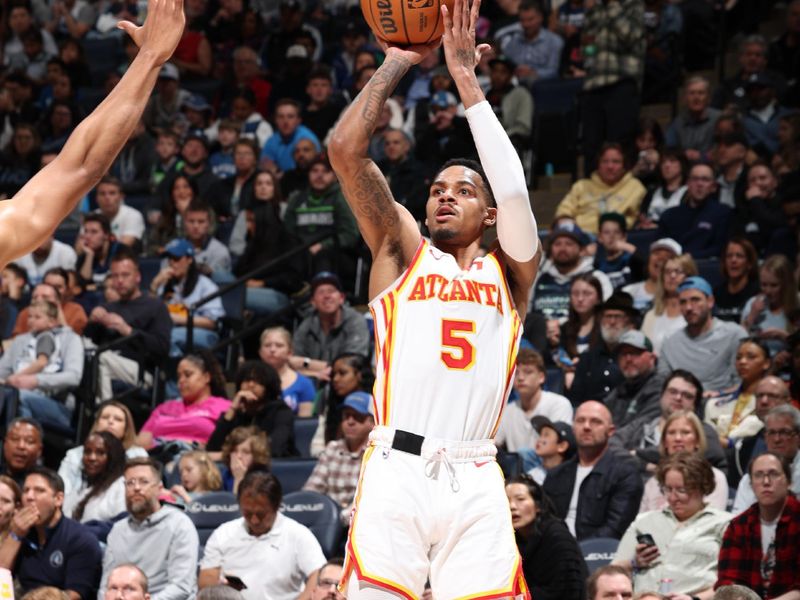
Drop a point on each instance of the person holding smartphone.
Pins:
(681, 542)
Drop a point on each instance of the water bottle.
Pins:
(548, 169)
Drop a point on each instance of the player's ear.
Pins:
(490, 216)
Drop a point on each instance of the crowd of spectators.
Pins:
(656, 396)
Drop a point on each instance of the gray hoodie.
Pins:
(164, 546)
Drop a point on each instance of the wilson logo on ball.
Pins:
(387, 21)
(419, 4)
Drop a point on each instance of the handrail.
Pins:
(254, 273)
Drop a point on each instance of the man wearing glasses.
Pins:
(326, 586)
(759, 548)
(782, 434)
(160, 540)
(641, 437)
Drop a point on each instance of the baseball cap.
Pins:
(197, 134)
(635, 339)
(761, 79)
(569, 229)
(178, 248)
(667, 244)
(296, 51)
(196, 102)
(563, 431)
(169, 71)
(443, 99)
(361, 402)
(326, 277)
(696, 283)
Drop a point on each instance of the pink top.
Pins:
(176, 420)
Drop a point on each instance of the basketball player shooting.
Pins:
(35, 211)
(430, 499)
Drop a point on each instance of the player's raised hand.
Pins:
(413, 54)
(460, 49)
(161, 31)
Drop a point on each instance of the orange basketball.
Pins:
(405, 22)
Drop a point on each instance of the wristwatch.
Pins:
(306, 362)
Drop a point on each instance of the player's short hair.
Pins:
(249, 143)
(529, 356)
(58, 272)
(288, 102)
(320, 73)
(475, 166)
(531, 5)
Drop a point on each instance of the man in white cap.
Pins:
(643, 292)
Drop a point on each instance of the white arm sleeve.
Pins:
(516, 225)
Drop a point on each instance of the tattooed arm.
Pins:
(388, 228)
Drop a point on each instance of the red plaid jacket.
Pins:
(740, 555)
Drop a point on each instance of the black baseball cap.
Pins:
(563, 431)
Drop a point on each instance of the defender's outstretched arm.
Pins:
(36, 210)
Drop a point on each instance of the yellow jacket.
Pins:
(589, 198)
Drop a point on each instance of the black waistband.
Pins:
(405, 441)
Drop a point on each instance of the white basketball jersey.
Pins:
(446, 341)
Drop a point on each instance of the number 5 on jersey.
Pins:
(458, 353)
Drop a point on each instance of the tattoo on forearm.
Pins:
(378, 89)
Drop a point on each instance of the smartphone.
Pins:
(235, 582)
(646, 539)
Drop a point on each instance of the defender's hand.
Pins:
(161, 31)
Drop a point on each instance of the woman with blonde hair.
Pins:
(766, 315)
(297, 390)
(243, 448)
(665, 317)
(683, 432)
(111, 416)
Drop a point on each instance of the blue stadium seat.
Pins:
(149, 267)
(709, 269)
(598, 552)
(140, 202)
(554, 380)
(211, 510)
(642, 238)
(320, 514)
(510, 463)
(304, 430)
(102, 55)
(292, 472)
(67, 236)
